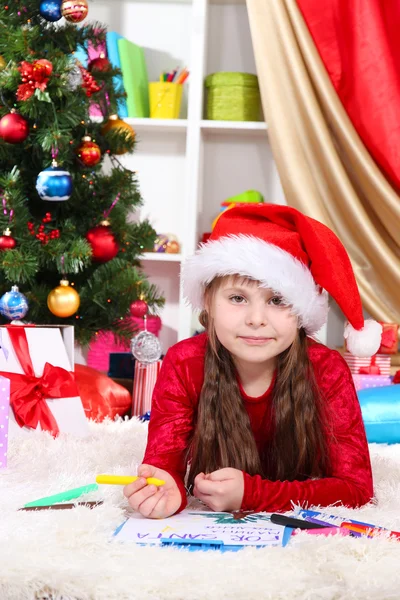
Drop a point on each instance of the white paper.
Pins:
(46, 344)
(252, 530)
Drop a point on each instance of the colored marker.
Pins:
(64, 496)
(370, 531)
(126, 479)
(319, 522)
(293, 522)
(327, 531)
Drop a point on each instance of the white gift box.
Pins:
(53, 345)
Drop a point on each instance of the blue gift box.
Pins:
(121, 365)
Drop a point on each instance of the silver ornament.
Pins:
(146, 347)
(75, 78)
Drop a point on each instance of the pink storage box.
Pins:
(93, 53)
(104, 344)
(363, 382)
(143, 385)
(380, 361)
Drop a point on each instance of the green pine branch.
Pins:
(58, 118)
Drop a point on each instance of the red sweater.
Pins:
(173, 410)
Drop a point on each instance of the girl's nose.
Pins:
(256, 315)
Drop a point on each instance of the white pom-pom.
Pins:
(364, 342)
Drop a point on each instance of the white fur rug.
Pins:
(69, 553)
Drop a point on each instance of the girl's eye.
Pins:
(277, 301)
(237, 299)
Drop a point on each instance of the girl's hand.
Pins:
(221, 490)
(149, 500)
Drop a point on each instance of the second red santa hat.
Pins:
(292, 254)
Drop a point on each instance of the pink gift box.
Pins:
(363, 382)
(4, 412)
(379, 364)
(143, 385)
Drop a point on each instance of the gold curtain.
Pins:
(325, 169)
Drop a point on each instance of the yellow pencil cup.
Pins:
(165, 100)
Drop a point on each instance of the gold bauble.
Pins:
(114, 123)
(74, 11)
(2, 63)
(63, 301)
(173, 247)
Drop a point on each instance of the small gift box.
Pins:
(4, 410)
(379, 364)
(39, 363)
(390, 340)
(143, 385)
(121, 365)
(364, 382)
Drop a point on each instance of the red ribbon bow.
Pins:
(372, 369)
(29, 393)
(389, 338)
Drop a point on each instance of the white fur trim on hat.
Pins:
(366, 341)
(273, 267)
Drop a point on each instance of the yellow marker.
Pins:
(125, 479)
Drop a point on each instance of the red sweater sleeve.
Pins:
(350, 482)
(170, 425)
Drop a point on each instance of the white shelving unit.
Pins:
(188, 166)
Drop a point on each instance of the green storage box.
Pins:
(233, 97)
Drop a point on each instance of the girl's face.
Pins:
(254, 324)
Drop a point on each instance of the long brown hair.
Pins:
(223, 435)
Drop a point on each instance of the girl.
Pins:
(263, 415)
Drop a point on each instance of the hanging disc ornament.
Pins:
(54, 184)
(74, 11)
(7, 242)
(146, 347)
(63, 301)
(14, 129)
(138, 308)
(89, 152)
(13, 304)
(114, 123)
(50, 10)
(104, 245)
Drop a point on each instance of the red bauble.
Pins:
(14, 128)
(101, 63)
(138, 308)
(89, 152)
(7, 242)
(104, 245)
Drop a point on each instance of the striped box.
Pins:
(379, 364)
(4, 411)
(143, 385)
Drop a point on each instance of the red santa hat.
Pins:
(291, 254)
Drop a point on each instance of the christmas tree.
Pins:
(61, 176)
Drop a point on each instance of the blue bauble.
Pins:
(145, 417)
(50, 10)
(13, 305)
(54, 184)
